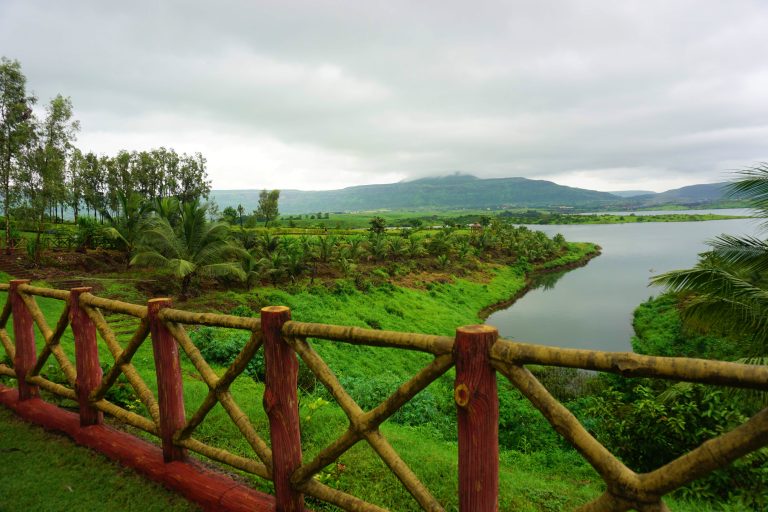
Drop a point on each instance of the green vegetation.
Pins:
(725, 292)
(649, 423)
(49, 473)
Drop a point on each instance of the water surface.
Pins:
(591, 307)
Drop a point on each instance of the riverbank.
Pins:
(581, 259)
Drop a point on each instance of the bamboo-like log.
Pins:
(24, 332)
(10, 350)
(241, 361)
(193, 353)
(4, 287)
(376, 416)
(122, 361)
(42, 358)
(606, 502)
(86, 357)
(51, 293)
(7, 371)
(713, 454)
(127, 417)
(281, 404)
(6, 314)
(325, 375)
(327, 455)
(477, 413)
(115, 306)
(243, 424)
(620, 479)
(404, 473)
(52, 387)
(629, 364)
(225, 457)
(210, 319)
(197, 418)
(222, 384)
(170, 390)
(436, 345)
(37, 316)
(134, 379)
(52, 345)
(340, 499)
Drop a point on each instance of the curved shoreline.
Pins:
(504, 304)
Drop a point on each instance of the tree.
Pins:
(127, 226)
(43, 175)
(378, 225)
(727, 290)
(16, 129)
(267, 208)
(229, 215)
(196, 247)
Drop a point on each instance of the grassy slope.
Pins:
(544, 480)
(49, 473)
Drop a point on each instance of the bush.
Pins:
(647, 430)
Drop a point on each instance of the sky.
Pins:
(314, 95)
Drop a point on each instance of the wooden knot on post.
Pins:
(477, 415)
(461, 395)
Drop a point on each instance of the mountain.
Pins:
(690, 195)
(631, 193)
(454, 191)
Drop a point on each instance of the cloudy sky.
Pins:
(317, 95)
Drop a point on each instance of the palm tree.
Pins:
(727, 290)
(126, 228)
(196, 247)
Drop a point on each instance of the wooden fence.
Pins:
(476, 352)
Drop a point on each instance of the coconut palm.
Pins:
(728, 288)
(196, 247)
(126, 228)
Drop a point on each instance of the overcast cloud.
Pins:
(317, 95)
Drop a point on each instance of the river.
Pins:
(591, 307)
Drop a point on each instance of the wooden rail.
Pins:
(476, 352)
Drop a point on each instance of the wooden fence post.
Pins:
(24, 335)
(170, 391)
(282, 406)
(477, 409)
(86, 358)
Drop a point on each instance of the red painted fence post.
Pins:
(477, 407)
(282, 406)
(24, 335)
(86, 358)
(170, 392)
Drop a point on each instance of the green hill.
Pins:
(455, 191)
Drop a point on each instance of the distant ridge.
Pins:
(453, 191)
(459, 191)
(631, 193)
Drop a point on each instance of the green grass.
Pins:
(45, 472)
(538, 472)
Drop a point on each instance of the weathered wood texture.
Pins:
(86, 358)
(476, 352)
(477, 412)
(170, 392)
(282, 406)
(24, 334)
